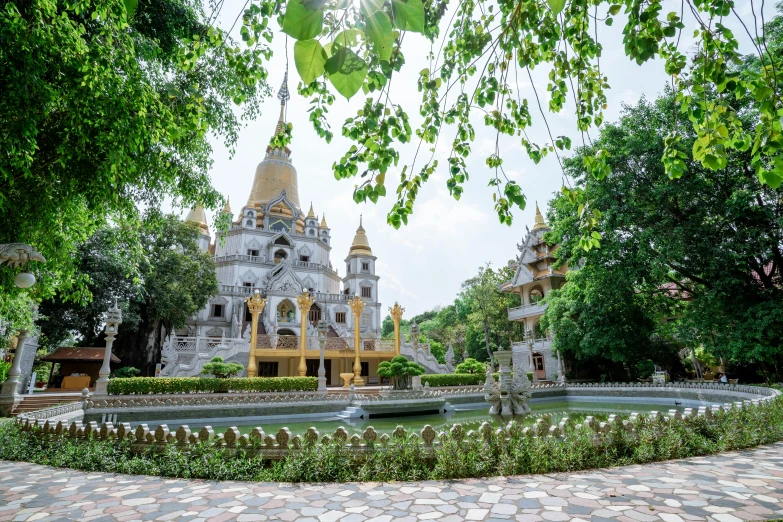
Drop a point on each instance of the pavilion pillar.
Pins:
(304, 302)
(396, 312)
(256, 305)
(357, 307)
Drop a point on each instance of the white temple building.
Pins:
(534, 277)
(274, 247)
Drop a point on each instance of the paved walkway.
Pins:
(726, 488)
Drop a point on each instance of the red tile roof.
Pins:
(70, 354)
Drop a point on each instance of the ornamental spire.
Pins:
(283, 94)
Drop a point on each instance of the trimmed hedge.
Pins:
(453, 379)
(460, 379)
(162, 385)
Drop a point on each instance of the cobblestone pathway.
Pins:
(726, 488)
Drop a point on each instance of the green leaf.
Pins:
(302, 23)
(380, 34)
(130, 7)
(556, 5)
(346, 71)
(310, 58)
(409, 16)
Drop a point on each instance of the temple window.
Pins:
(314, 315)
(306, 259)
(252, 252)
(280, 255)
(367, 291)
(339, 317)
(217, 310)
(365, 266)
(536, 295)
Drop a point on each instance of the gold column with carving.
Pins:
(396, 312)
(256, 305)
(357, 306)
(304, 302)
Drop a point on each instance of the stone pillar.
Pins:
(323, 329)
(113, 322)
(415, 341)
(357, 306)
(304, 302)
(396, 312)
(256, 305)
(503, 358)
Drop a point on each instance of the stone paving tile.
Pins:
(733, 487)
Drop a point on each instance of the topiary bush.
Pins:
(401, 371)
(220, 369)
(162, 385)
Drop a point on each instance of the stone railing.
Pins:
(262, 260)
(63, 412)
(195, 344)
(520, 312)
(278, 446)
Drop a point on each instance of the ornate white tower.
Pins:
(198, 216)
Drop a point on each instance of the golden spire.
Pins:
(276, 173)
(311, 214)
(227, 207)
(198, 216)
(360, 243)
(540, 223)
(323, 221)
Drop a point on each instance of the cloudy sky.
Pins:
(423, 264)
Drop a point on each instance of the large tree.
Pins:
(175, 280)
(480, 60)
(106, 107)
(710, 243)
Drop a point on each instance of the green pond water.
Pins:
(471, 419)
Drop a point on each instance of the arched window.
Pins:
(536, 294)
(314, 315)
(311, 232)
(249, 223)
(280, 255)
(282, 241)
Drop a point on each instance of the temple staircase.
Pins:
(41, 400)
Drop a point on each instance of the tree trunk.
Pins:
(141, 348)
(486, 338)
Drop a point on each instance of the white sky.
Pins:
(423, 264)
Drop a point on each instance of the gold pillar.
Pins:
(256, 305)
(305, 302)
(357, 306)
(396, 312)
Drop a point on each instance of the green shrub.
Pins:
(471, 365)
(126, 372)
(503, 453)
(645, 368)
(401, 371)
(162, 385)
(220, 369)
(5, 367)
(453, 379)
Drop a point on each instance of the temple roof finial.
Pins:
(283, 95)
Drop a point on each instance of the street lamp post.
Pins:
(113, 322)
(323, 329)
(17, 255)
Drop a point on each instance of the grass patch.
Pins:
(509, 452)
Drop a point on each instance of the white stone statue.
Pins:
(168, 356)
(16, 255)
